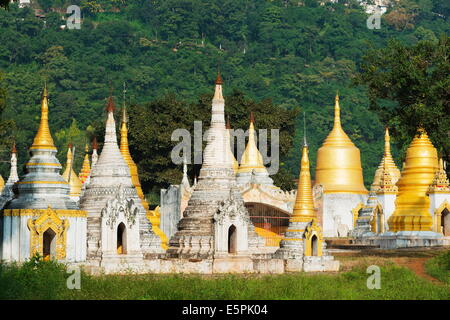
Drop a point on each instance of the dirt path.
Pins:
(417, 265)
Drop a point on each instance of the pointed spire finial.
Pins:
(305, 143)
(43, 138)
(94, 144)
(110, 103)
(14, 150)
(228, 125)
(337, 111)
(45, 91)
(252, 117)
(124, 107)
(219, 80)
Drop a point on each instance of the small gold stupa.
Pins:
(386, 168)
(338, 167)
(70, 176)
(412, 203)
(251, 159)
(86, 168)
(304, 210)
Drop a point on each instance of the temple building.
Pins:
(119, 234)
(339, 189)
(268, 205)
(71, 177)
(42, 218)
(303, 247)
(414, 210)
(215, 226)
(383, 191)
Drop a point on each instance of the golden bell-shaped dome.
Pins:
(304, 210)
(412, 203)
(251, 159)
(338, 167)
(70, 176)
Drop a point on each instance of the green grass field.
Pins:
(47, 280)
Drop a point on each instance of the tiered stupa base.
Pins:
(406, 239)
(292, 252)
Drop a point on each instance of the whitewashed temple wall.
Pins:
(337, 214)
(387, 202)
(170, 210)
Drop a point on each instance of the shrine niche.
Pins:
(313, 239)
(48, 234)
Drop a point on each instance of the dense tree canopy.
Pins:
(285, 56)
(417, 80)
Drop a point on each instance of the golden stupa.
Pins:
(70, 176)
(338, 167)
(304, 210)
(233, 159)
(86, 168)
(387, 166)
(2, 183)
(43, 138)
(251, 159)
(125, 151)
(412, 203)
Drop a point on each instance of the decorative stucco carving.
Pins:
(117, 205)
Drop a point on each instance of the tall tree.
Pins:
(409, 88)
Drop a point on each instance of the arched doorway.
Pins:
(121, 239)
(49, 244)
(232, 240)
(445, 222)
(314, 246)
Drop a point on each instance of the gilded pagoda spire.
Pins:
(233, 159)
(70, 176)
(252, 159)
(386, 166)
(86, 168)
(43, 138)
(338, 167)
(304, 210)
(42, 185)
(412, 203)
(125, 151)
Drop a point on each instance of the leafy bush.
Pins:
(34, 279)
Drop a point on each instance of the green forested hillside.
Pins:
(295, 53)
